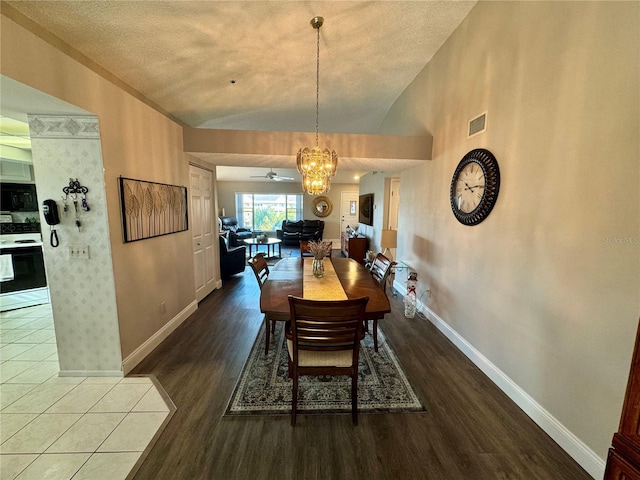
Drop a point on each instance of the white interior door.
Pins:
(202, 230)
(394, 203)
(348, 210)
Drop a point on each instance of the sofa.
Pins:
(232, 259)
(292, 232)
(236, 235)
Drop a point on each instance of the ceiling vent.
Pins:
(477, 125)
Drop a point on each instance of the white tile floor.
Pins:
(59, 428)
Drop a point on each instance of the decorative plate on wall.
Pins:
(321, 206)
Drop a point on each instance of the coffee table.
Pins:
(269, 242)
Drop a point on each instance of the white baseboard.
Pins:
(90, 373)
(147, 347)
(576, 448)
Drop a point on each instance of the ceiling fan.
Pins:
(271, 175)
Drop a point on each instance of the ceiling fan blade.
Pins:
(278, 178)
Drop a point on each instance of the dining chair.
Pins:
(261, 271)
(260, 268)
(324, 339)
(380, 270)
(305, 251)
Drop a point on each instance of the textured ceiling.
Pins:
(183, 55)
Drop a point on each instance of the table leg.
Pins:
(280, 250)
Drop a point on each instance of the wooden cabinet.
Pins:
(354, 247)
(623, 462)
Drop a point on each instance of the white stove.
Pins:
(18, 240)
(23, 280)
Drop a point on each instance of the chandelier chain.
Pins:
(317, 81)
(317, 165)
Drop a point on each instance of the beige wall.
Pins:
(137, 142)
(377, 183)
(548, 287)
(227, 191)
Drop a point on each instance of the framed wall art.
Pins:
(152, 209)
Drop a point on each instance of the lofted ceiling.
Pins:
(251, 65)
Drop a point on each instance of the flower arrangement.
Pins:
(320, 249)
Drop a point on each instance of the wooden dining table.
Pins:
(286, 278)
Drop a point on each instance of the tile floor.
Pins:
(60, 428)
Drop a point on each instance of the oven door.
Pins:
(28, 269)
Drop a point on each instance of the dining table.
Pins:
(291, 276)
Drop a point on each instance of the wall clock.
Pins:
(474, 186)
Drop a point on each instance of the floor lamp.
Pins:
(389, 239)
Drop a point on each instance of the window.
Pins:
(261, 211)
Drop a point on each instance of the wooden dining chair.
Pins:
(305, 251)
(261, 271)
(260, 268)
(380, 270)
(324, 339)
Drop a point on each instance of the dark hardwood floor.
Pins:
(471, 430)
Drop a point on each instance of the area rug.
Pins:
(264, 386)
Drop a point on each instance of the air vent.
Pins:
(477, 125)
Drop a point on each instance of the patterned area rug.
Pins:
(265, 388)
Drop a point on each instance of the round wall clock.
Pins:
(474, 186)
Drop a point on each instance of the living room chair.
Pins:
(261, 270)
(324, 339)
(235, 234)
(380, 270)
(232, 259)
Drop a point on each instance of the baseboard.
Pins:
(147, 347)
(90, 373)
(576, 448)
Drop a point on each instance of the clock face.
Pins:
(474, 187)
(470, 187)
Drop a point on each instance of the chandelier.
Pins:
(317, 165)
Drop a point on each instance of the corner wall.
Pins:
(547, 288)
(87, 333)
(137, 142)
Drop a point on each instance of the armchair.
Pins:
(236, 234)
(232, 260)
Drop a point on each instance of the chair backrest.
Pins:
(329, 325)
(222, 240)
(305, 251)
(260, 268)
(380, 270)
(228, 223)
(304, 248)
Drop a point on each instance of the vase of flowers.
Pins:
(319, 250)
(318, 267)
